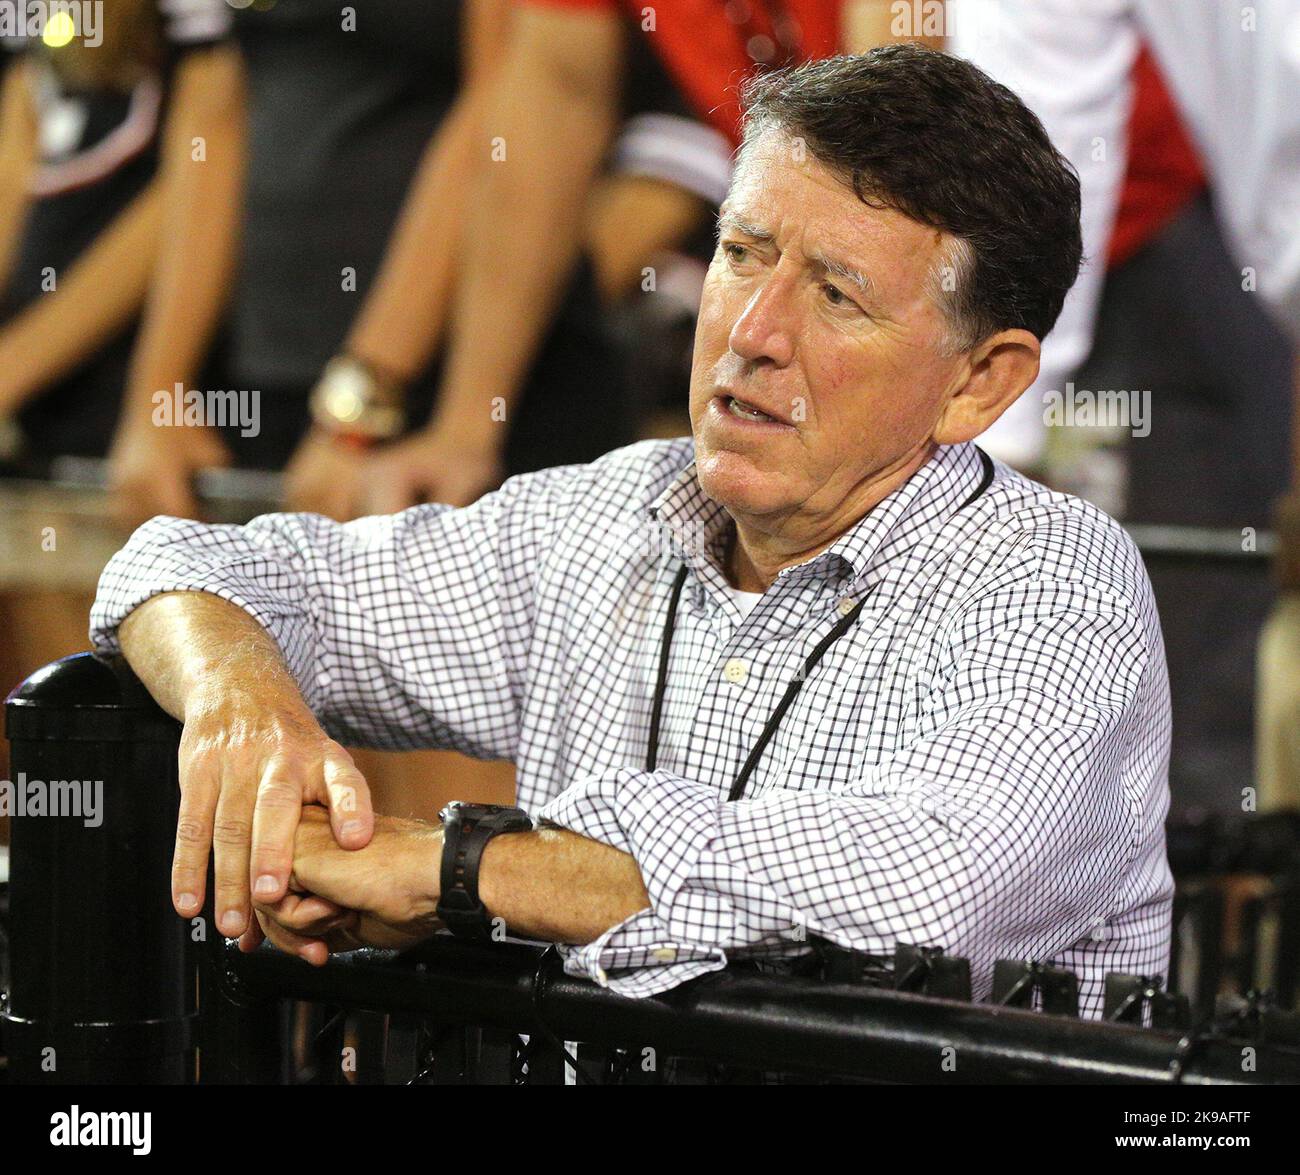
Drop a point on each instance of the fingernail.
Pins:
(232, 923)
(351, 828)
(187, 900)
(266, 884)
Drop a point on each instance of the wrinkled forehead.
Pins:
(779, 188)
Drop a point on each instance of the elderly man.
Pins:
(824, 671)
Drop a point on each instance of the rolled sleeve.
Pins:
(231, 562)
(664, 822)
(401, 631)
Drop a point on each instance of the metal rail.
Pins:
(758, 1022)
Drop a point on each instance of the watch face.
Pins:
(351, 400)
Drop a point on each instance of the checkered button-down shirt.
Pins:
(978, 763)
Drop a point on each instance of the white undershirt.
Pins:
(745, 601)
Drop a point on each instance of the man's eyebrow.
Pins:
(847, 273)
(729, 220)
(855, 277)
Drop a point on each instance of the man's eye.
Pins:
(835, 296)
(734, 252)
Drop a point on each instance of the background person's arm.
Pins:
(547, 125)
(406, 310)
(631, 220)
(405, 313)
(17, 157)
(99, 295)
(201, 202)
(1072, 65)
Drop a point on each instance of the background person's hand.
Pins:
(151, 470)
(325, 477)
(249, 761)
(432, 466)
(385, 894)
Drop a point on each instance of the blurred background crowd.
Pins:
(433, 243)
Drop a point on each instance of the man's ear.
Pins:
(997, 371)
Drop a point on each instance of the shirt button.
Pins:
(735, 671)
(664, 955)
(846, 605)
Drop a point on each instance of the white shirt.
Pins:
(978, 763)
(1234, 73)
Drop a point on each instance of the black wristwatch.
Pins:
(466, 830)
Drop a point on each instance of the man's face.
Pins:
(815, 312)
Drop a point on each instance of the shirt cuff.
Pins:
(638, 958)
(665, 823)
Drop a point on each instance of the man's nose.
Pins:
(765, 329)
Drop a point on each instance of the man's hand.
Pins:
(248, 764)
(251, 755)
(385, 894)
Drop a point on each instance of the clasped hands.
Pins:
(382, 895)
(298, 854)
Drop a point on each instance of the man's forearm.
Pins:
(555, 885)
(186, 644)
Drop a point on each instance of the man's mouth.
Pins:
(743, 410)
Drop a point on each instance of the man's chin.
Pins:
(734, 480)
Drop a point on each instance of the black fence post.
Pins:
(240, 1032)
(101, 971)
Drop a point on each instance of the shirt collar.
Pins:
(915, 510)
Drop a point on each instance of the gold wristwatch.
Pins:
(356, 404)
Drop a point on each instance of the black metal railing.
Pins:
(460, 993)
(107, 984)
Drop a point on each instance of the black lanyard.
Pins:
(791, 691)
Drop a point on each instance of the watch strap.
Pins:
(467, 829)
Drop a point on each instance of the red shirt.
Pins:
(704, 49)
(1164, 169)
